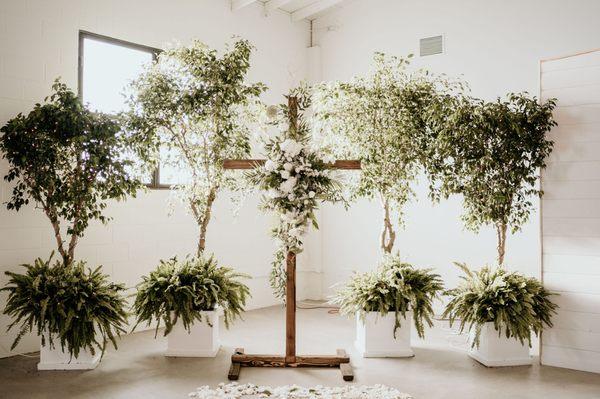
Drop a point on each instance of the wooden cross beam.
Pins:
(290, 359)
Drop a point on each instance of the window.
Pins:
(106, 67)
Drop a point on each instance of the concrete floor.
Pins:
(440, 369)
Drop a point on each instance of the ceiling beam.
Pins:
(313, 9)
(239, 4)
(273, 5)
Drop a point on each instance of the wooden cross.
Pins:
(290, 359)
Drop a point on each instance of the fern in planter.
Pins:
(515, 304)
(74, 305)
(394, 287)
(184, 289)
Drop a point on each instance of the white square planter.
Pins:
(498, 351)
(56, 359)
(201, 341)
(375, 336)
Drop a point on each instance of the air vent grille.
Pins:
(431, 45)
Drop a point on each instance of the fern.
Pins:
(517, 305)
(394, 287)
(183, 290)
(75, 305)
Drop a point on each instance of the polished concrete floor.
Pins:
(440, 369)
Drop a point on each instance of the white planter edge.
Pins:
(498, 351)
(375, 336)
(202, 341)
(57, 359)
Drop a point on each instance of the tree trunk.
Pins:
(204, 219)
(59, 240)
(501, 234)
(388, 235)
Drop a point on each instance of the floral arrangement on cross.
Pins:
(295, 177)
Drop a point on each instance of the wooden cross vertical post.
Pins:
(290, 359)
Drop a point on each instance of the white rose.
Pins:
(270, 165)
(311, 194)
(288, 166)
(284, 174)
(288, 185)
(291, 147)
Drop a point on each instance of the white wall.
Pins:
(38, 42)
(571, 212)
(496, 46)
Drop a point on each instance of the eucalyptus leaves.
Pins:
(295, 178)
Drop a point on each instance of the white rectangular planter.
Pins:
(56, 359)
(375, 336)
(201, 341)
(498, 351)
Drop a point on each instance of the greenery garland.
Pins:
(394, 287)
(514, 303)
(184, 289)
(72, 303)
(295, 178)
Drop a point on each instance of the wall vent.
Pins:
(431, 45)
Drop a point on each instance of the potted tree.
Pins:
(382, 119)
(500, 309)
(195, 108)
(185, 296)
(491, 153)
(384, 301)
(68, 162)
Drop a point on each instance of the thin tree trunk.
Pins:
(59, 240)
(205, 218)
(388, 235)
(501, 234)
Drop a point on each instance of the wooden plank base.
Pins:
(340, 360)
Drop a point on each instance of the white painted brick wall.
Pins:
(39, 42)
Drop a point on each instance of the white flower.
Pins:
(288, 166)
(270, 165)
(288, 185)
(311, 194)
(284, 174)
(272, 193)
(291, 147)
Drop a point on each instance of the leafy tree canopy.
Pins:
(195, 104)
(69, 161)
(491, 152)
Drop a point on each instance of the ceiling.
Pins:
(298, 9)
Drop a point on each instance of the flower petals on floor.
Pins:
(235, 391)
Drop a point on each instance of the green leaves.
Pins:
(515, 304)
(394, 287)
(195, 105)
(490, 153)
(75, 305)
(69, 161)
(182, 290)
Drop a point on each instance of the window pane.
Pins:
(170, 172)
(107, 70)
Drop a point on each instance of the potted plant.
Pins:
(491, 154)
(69, 162)
(186, 296)
(384, 301)
(500, 309)
(195, 108)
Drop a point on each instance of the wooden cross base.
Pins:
(239, 359)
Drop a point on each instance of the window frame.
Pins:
(155, 184)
